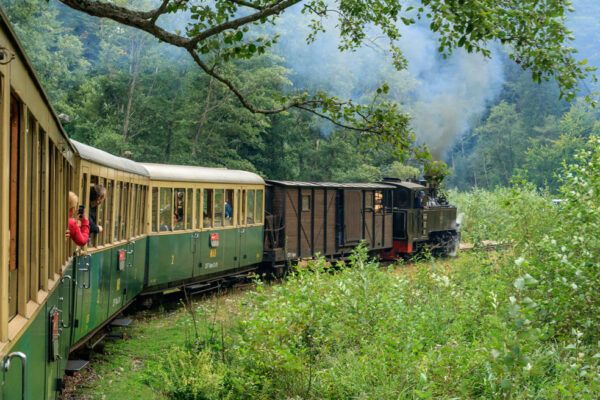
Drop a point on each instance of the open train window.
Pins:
(218, 207)
(242, 208)
(136, 209)
(378, 202)
(166, 209)
(188, 208)
(208, 208)
(14, 204)
(124, 211)
(109, 202)
(117, 205)
(402, 198)
(198, 210)
(179, 214)
(144, 197)
(250, 207)
(228, 208)
(306, 202)
(259, 206)
(154, 209)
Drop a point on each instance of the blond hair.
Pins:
(73, 200)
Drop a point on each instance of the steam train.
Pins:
(164, 227)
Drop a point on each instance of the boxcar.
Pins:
(304, 219)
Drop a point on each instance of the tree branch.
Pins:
(235, 90)
(137, 19)
(320, 115)
(159, 11)
(247, 4)
(274, 9)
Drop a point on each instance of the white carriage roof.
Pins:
(186, 173)
(367, 185)
(92, 154)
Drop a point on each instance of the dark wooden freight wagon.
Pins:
(304, 219)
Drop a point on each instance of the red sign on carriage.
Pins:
(214, 240)
(121, 260)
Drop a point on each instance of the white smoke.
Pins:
(442, 96)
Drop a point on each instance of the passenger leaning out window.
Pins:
(78, 234)
(97, 195)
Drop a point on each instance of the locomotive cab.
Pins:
(421, 222)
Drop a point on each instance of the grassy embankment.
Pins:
(515, 324)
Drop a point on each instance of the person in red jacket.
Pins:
(78, 234)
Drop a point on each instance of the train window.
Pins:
(208, 208)
(198, 210)
(125, 211)
(369, 200)
(228, 207)
(154, 209)
(144, 196)
(117, 212)
(109, 203)
(179, 215)
(97, 214)
(305, 202)
(166, 210)
(378, 201)
(190, 204)
(250, 207)
(135, 209)
(402, 199)
(242, 209)
(218, 207)
(259, 206)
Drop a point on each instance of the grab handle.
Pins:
(23, 358)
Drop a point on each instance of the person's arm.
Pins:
(93, 227)
(79, 235)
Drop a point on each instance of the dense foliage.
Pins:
(218, 33)
(511, 324)
(124, 91)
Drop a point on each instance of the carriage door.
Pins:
(353, 218)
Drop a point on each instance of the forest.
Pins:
(122, 90)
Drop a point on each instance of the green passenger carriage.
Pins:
(204, 223)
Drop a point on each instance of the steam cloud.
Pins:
(442, 96)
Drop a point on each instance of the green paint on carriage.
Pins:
(42, 373)
(187, 257)
(110, 287)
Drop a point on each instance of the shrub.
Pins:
(186, 374)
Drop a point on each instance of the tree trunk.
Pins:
(136, 49)
(171, 123)
(200, 128)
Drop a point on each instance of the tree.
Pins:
(220, 32)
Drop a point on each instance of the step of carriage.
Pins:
(196, 286)
(121, 322)
(75, 365)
